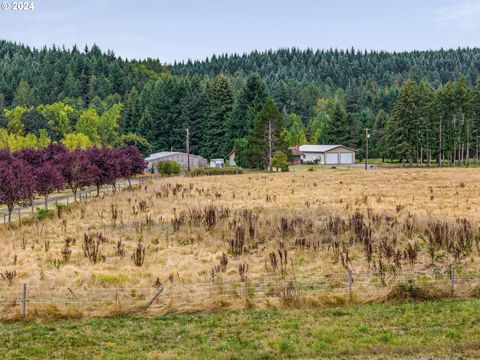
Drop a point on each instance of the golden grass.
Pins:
(188, 255)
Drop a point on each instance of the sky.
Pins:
(177, 30)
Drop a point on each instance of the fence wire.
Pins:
(37, 301)
(83, 196)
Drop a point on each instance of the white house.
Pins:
(327, 154)
(217, 163)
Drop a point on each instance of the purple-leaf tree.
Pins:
(17, 184)
(54, 152)
(5, 155)
(32, 157)
(124, 164)
(77, 170)
(48, 179)
(106, 162)
(132, 157)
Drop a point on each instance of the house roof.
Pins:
(295, 151)
(231, 153)
(163, 154)
(160, 155)
(320, 148)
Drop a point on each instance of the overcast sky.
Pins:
(181, 29)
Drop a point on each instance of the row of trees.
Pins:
(58, 120)
(27, 173)
(428, 124)
(89, 97)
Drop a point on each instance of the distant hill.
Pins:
(57, 73)
(337, 68)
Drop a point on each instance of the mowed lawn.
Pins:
(423, 330)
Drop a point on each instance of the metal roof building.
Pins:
(178, 157)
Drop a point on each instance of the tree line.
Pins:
(428, 125)
(27, 173)
(249, 103)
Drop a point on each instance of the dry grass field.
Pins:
(301, 224)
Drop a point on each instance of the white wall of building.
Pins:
(338, 155)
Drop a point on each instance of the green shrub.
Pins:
(43, 214)
(169, 167)
(280, 161)
(231, 170)
(62, 208)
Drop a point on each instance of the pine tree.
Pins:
(193, 112)
(251, 100)
(165, 110)
(378, 135)
(476, 119)
(131, 112)
(24, 95)
(264, 138)
(216, 139)
(3, 119)
(339, 128)
(72, 88)
(402, 127)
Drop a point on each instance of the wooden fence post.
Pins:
(24, 302)
(246, 291)
(350, 283)
(452, 279)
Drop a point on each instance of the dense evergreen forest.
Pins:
(419, 106)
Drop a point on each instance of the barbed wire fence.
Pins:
(29, 302)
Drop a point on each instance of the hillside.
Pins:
(314, 97)
(339, 68)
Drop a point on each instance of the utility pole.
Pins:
(188, 149)
(367, 135)
(270, 145)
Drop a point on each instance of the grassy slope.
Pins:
(440, 328)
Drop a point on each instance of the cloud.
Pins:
(461, 14)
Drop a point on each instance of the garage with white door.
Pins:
(346, 158)
(326, 154)
(332, 158)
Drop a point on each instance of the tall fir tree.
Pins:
(165, 110)
(216, 138)
(131, 112)
(24, 95)
(339, 128)
(251, 100)
(379, 143)
(264, 138)
(193, 112)
(402, 127)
